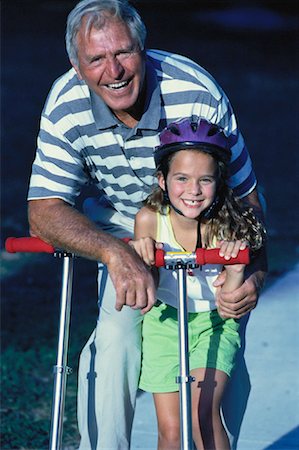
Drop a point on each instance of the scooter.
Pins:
(179, 261)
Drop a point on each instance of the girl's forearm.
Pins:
(234, 278)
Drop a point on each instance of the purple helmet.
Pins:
(188, 134)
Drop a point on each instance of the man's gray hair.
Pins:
(96, 12)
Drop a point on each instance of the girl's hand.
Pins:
(234, 273)
(145, 247)
(230, 249)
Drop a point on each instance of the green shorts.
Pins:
(213, 342)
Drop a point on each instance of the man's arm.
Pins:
(59, 224)
(244, 299)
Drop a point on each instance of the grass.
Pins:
(30, 317)
(26, 387)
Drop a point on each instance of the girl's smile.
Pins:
(192, 203)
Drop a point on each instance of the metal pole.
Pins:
(61, 370)
(184, 379)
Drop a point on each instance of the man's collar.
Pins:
(103, 116)
(152, 109)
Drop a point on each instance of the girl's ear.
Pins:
(161, 181)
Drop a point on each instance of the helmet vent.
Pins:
(175, 130)
(194, 126)
(213, 130)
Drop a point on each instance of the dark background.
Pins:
(251, 48)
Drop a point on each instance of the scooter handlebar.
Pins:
(201, 257)
(27, 245)
(32, 245)
(211, 256)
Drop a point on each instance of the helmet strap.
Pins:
(209, 212)
(166, 197)
(168, 202)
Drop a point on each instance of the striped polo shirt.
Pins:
(81, 141)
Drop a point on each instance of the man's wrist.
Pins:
(258, 278)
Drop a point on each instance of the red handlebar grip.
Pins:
(160, 257)
(27, 245)
(211, 256)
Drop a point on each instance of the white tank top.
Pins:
(200, 291)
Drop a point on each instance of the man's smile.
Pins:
(116, 86)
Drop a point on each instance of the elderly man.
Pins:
(100, 125)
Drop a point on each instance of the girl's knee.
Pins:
(169, 437)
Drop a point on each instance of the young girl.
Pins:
(192, 207)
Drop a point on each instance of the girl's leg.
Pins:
(168, 416)
(207, 392)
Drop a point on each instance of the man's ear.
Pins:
(161, 181)
(76, 67)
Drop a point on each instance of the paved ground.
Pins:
(272, 418)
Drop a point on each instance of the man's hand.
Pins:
(132, 279)
(59, 224)
(238, 303)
